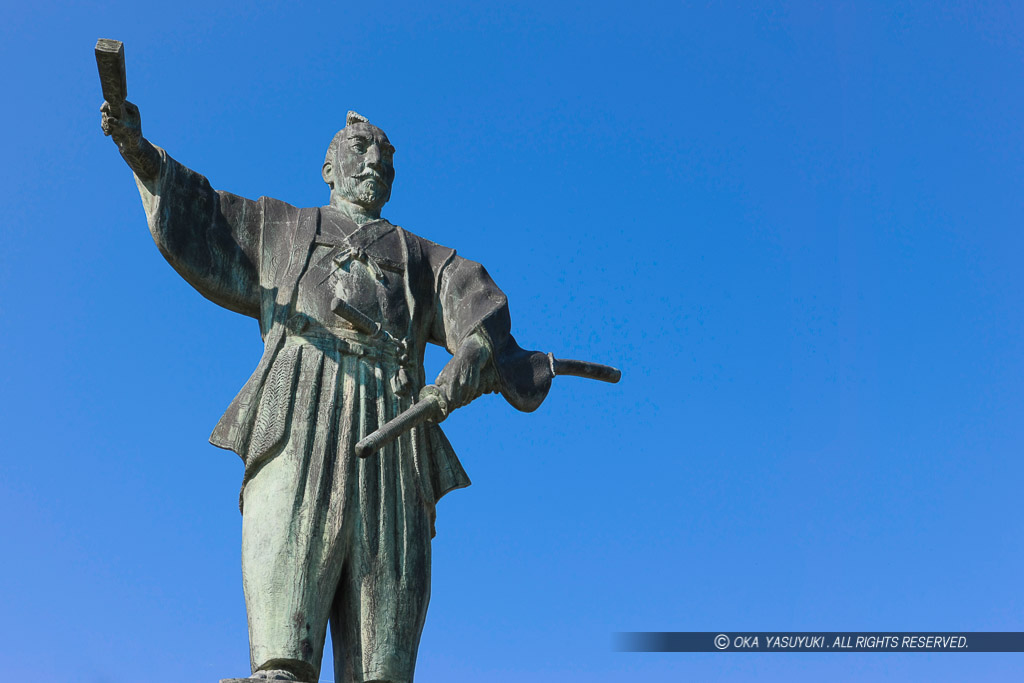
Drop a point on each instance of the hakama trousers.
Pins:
(330, 537)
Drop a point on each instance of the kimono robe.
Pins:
(327, 535)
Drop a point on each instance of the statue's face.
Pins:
(363, 168)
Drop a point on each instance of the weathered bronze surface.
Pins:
(346, 303)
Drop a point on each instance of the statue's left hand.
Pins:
(464, 378)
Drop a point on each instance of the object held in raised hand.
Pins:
(433, 404)
(113, 79)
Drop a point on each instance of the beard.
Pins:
(368, 193)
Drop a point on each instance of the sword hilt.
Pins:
(431, 407)
(433, 404)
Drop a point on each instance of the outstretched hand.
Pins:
(464, 378)
(124, 125)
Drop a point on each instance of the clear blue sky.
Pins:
(796, 227)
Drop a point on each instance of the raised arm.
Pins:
(211, 238)
(125, 129)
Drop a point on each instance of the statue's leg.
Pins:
(381, 603)
(293, 530)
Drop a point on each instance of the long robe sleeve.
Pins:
(211, 238)
(467, 301)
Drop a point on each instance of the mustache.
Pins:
(371, 175)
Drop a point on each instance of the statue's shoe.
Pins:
(264, 676)
(275, 675)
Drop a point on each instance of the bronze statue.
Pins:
(346, 303)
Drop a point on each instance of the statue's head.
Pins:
(359, 164)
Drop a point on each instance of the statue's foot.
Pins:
(266, 675)
(275, 675)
